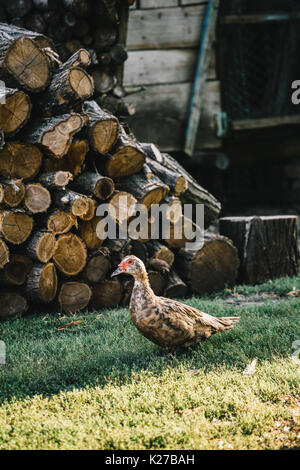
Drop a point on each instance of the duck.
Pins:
(166, 322)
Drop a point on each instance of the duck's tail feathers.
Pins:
(226, 323)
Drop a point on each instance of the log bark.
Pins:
(146, 191)
(46, 5)
(35, 22)
(267, 246)
(177, 182)
(140, 250)
(104, 80)
(16, 271)
(80, 58)
(211, 268)
(4, 253)
(74, 296)
(127, 157)
(60, 222)
(77, 204)
(107, 294)
(98, 266)
(103, 128)
(13, 192)
(158, 251)
(118, 250)
(94, 184)
(37, 198)
(41, 246)
(105, 37)
(55, 134)
(67, 89)
(194, 193)
(175, 287)
(41, 285)
(12, 304)
(22, 61)
(177, 235)
(78, 7)
(20, 161)
(17, 7)
(15, 226)
(55, 180)
(70, 254)
(15, 110)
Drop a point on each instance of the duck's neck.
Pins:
(141, 280)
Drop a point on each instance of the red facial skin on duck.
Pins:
(126, 263)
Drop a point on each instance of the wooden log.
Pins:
(41, 246)
(67, 89)
(22, 59)
(37, 198)
(98, 266)
(60, 222)
(78, 7)
(158, 251)
(118, 54)
(118, 249)
(15, 226)
(88, 233)
(94, 184)
(10, 33)
(177, 235)
(41, 285)
(157, 282)
(174, 210)
(103, 128)
(45, 5)
(194, 193)
(17, 7)
(175, 287)
(4, 253)
(121, 206)
(104, 80)
(2, 139)
(55, 134)
(20, 161)
(72, 162)
(70, 254)
(146, 191)
(13, 192)
(267, 246)
(80, 58)
(211, 268)
(15, 110)
(18, 21)
(74, 296)
(107, 294)
(140, 250)
(177, 182)
(55, 179)
(77, 204)
(16, 271)
(127, 157)
(12, 304)
(105, 37)
(35, 22)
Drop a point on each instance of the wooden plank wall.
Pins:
(163, 42)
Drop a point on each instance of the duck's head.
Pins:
(130, 265)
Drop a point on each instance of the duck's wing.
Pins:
(188, 314)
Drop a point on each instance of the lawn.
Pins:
(98, 384)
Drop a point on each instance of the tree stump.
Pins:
(211, 268)
(267, 246)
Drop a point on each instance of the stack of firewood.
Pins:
(64, 156)
(97, 25)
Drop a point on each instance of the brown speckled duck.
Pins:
(166, 322)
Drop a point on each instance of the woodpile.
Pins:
(64, 156)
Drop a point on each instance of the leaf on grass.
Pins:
(191, 410)
(294, 293)
(67, 325)
(250, 369)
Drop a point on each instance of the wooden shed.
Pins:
(252, 63)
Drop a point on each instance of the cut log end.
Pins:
(15, 227)
(12, 304)
(104, 135)
(107, 294)
(37, 198)
(4, 253)
(125, 162)
(17, 269)
(61, 222)
(70, 254)
(74, 296)
(15, 112)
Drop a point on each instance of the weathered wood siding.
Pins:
(163, 44)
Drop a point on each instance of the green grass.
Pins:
(101, 385)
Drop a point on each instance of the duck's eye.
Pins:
(130, 261)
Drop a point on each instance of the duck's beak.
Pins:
(118, 271)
